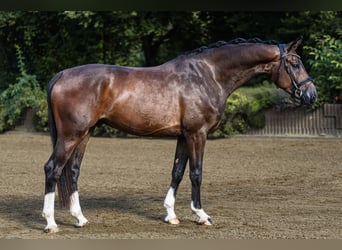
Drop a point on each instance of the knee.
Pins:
(52, 173)
(49, 169)
(178, 174)
(50, 180)
(75, 170)
(196, 176)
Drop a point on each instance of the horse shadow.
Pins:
(26, 211)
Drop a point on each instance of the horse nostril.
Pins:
(309, 97)
(313, 97)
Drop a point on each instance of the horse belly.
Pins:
(145, 118)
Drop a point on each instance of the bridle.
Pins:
(296, 85)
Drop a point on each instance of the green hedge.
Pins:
(20, 96)
(244, 110)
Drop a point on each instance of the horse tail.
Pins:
(64, 183)
(52, 122)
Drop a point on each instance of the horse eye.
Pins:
(295, 65)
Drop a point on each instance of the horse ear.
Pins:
(292, 46)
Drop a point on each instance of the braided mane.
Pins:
(234, 41)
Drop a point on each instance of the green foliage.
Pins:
(326, 66)
(322, 48)
(244, 110)
(306, 23)
(104, 130)
(19, 97)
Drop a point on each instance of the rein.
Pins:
(296, 85)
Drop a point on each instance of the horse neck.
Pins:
(236, 64)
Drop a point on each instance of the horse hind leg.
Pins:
(181, 159)
(76, 211)
(75, 207)
(54, 174)
(49, 199)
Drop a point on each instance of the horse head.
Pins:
(291, 75)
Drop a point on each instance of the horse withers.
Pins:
(184, 98)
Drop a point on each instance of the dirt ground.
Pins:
(253, 188)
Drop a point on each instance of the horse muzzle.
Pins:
(309, 95)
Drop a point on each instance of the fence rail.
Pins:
(325, 121)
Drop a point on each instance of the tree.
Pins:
(326, 67)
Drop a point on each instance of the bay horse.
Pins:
(184, 97)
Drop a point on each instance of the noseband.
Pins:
(296, 85)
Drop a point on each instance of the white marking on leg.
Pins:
(169, 204)
(48, 213)
(203, 217)
(75, 210)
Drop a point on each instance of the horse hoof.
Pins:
(173, 221)
(206, 222)
(51, 230)
(79, 225)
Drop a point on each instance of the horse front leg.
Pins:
(180, 161)
(196, 144)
